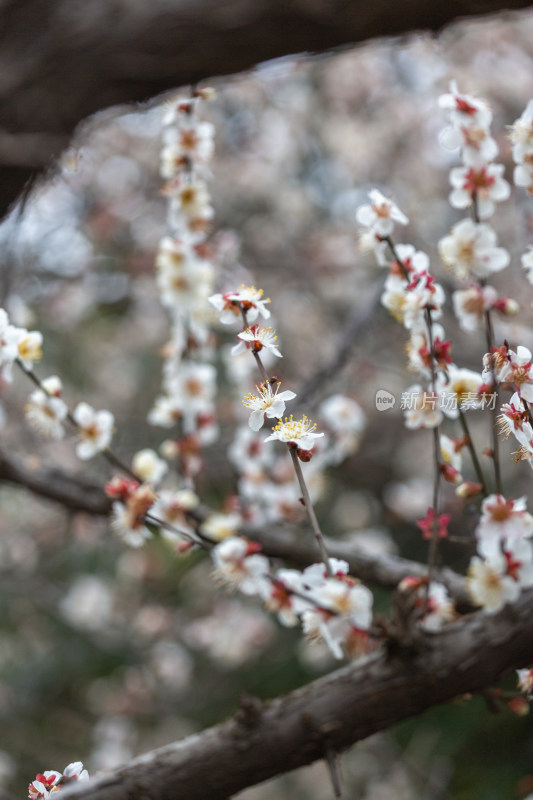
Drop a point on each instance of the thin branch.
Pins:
(78, 494)
(329, 714)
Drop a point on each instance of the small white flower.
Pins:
(521, 135)
(483, 185)
(238, 564)
(45, 410)
(381, 214)
(149, 467)
(220, 526)
(296, 432)
(246, 299)
(471, 304)
(267, 403)
(470, 249)
(489, 585)
(95, 430)
(255, 339)
(29, 347)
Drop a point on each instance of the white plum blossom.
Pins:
(380, 215)
(523, 175)
(464, 110)
(190, 140)
(489, 584)
(477, 145)
(521, 135)
(343, 607)
(470, 305)
(458, 390)
(440, 608)
(470, 249)
(29, 347)
(45, 410)
(527, 265)
(246, 299)
(129, 517)
(421, 408)
(148, 466)
(255, 339)
(300, 433)
(483, 186)
(422, 293)
(95, 430)
(394, 296)
(219, 526)
(239, 565)
(8, 345)
(47, 783)
(502, 520)
(267, 403)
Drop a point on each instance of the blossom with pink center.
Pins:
(268, 403)
(483, 186)
(422, 294)
(470, 249)
(422, 351)
(255, 339)
(246, 299)
(380, 215)
(477, 145)
(465, 110)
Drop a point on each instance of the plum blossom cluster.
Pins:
(48, 783)
(471, 249)
(266, 487)
(334, 608)
(185, 275)
(504, 564)
(521, 136)
(45, 410)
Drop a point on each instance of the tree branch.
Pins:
(266, 739)
(62, 61)
(77, 494)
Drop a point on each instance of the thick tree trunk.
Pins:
(63, 60)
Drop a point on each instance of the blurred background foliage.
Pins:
(107, 652)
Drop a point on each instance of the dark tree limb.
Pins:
(289, 544)
(63, 60)
(266, 739)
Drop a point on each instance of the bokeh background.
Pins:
(106, 652)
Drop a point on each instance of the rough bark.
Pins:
(266, 739)
(62, 60)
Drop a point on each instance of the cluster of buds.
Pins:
(185, 278)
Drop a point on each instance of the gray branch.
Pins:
(266, 739)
